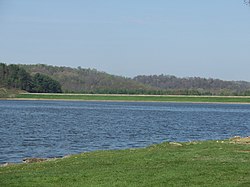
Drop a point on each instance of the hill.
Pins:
(14, 77)
(195, 85)
(81, 80)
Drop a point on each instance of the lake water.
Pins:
(58, 128)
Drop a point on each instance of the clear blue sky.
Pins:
(207, 38)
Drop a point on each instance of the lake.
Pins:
(50, 129)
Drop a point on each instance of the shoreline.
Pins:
(125, 101)
(139, 95)
(30, 160)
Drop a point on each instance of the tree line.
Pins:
(195, 85)
(81, 80)
(13, 76)
(53, 79)
(86, 80)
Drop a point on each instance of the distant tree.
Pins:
(25, 80)
(15, 76)
(193, 85)
(45, 84)
(12, 76)
(81, 80)
(3, 69)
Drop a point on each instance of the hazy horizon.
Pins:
(207, 39)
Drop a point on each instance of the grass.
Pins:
(96, 97)
(9, 93)
(208, 163)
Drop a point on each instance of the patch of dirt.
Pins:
(33, 160)
(245, 151)
(175, 144)
(240, 140)
(7, 164)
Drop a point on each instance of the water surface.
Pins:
(57, 128)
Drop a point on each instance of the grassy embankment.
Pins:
(208, 163)
(9, 93)
(95, 97)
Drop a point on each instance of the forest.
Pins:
(82, 80)
(41, 78)
(195, 85)
(13, 76)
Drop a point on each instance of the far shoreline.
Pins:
(193, 99)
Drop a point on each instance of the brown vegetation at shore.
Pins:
(240, 140)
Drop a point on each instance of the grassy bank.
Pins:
(9, 93)
(209, 163)
(95, 97)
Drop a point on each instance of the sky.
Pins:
(184, 38)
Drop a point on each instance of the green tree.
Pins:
(45, 84)
(13, 76)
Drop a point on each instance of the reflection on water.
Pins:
(58, 128)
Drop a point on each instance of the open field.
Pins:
(158, 98)
(208, 163)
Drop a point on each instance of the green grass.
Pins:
(165, 98)
(208, 163)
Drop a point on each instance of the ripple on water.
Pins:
(58, 128)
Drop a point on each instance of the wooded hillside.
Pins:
(192, 85)
(14, 76)
(33, 78)
(81, 80)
